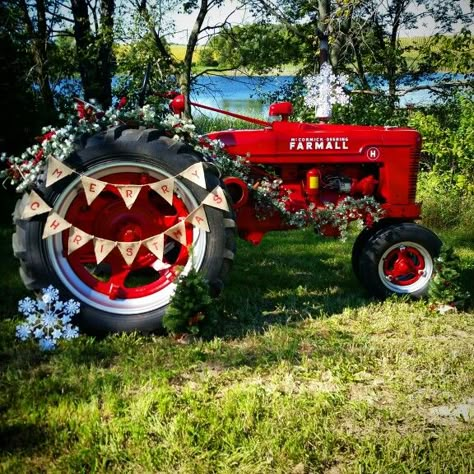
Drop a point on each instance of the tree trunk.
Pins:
(39, 46)
(94, 52)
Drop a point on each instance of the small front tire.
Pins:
(399, 259)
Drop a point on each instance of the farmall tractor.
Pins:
(316, 163)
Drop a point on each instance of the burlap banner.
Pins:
(34, 205)
(57, 170)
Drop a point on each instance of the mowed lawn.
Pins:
(305, 374)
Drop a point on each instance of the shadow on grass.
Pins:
(291, 276)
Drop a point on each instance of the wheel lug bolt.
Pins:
(421, 272)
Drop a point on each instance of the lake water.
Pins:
(241, 93)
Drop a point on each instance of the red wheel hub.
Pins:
(404, 265)
(108, 218)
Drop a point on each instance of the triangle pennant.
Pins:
(178, 232)
(34, 206)
(195, 173)
(164, 188)
(129, 250)
(129, 193)
(102, 248)
(156, 245)
(77, 238)
(54, 224)
(92, 188)
(216, 198)
(56, 170)
(198, 218)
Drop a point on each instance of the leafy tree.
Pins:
(152, 15)
(248, 47)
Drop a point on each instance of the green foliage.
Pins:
(369, 110)
(448, 140)
(190, 304)
(248, 46)
(446, 286)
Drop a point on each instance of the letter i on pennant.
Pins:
(102, 248)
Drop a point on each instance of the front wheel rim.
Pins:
(405, 267)
(118, 298)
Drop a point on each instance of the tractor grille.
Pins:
(413, 170)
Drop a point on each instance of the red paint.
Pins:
(149, 216)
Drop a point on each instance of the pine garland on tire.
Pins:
(189, 306)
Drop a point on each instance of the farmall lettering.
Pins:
(318, 143)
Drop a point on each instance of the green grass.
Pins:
(305, 374)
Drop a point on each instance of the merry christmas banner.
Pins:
(34, 205)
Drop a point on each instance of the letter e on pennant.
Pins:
(92, 188)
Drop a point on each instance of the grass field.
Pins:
(304, 374)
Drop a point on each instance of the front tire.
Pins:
(399, 259)
(114, 296)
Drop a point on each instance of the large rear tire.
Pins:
(114, 296)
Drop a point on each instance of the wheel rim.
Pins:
(405, 267)
(113, 286)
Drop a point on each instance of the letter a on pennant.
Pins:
(77, 238)
(92, 188)
(156, 245)
(164, 188)
(195, 173)
(216, 198)
(198, 218)
(54, 224)
(56, 170)
(129, 193)
(34, 206)
(178, 232)
(102, 248)
(129, 250)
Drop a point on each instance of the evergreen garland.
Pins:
(190, 304)
(446, 287)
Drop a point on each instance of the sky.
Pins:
(184, 23)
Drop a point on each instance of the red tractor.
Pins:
(317, 164)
